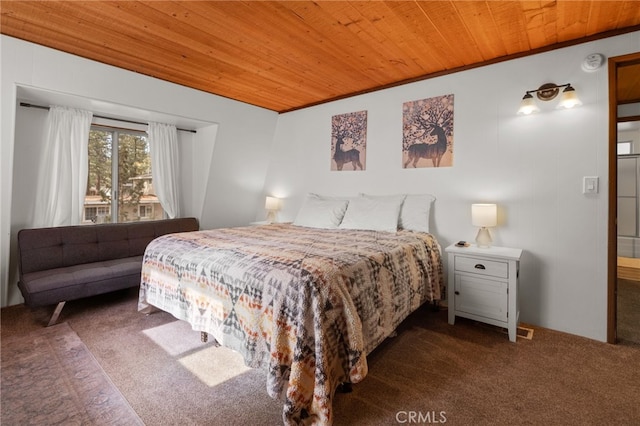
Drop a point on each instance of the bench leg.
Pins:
(56, 313)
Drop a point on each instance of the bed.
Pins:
(305, 304)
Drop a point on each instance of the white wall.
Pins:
(224, 163)
(532, 166)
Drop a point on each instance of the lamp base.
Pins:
(271, 216)
(483, 239)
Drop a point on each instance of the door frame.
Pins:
(612, 228)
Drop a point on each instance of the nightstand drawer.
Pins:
(482, 266)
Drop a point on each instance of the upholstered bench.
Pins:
(72, 262)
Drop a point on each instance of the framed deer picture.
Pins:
(349, 141)
(427, 132)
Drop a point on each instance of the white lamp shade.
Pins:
(484, 214)
(272, 203)
(528, 106)
(569, 99)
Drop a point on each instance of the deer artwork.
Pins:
(434, 151)
(342, 157)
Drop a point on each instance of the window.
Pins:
(624, 148)
(119, 186)
(90, 214)
(145, 211)
(98, 214)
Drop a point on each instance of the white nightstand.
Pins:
(483, 285)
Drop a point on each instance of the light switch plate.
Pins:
(590, 185)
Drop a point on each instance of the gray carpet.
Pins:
(628, 311)
(468, 374)
(49, 377)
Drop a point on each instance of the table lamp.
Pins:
(484, 216)
(272, 205)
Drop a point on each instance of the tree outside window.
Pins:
(120, 185)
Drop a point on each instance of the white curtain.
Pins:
(163, 147)
(63, 168)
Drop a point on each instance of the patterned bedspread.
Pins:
(307, 305)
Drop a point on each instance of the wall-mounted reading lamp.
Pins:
(547, 92)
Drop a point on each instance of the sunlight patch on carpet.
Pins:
(176, 337)
(214, 365)
(211, 364)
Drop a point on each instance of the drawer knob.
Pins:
(479, 266)
(457, 293)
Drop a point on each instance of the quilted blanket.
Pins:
(307, 305)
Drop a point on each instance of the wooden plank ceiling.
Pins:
(285, 55)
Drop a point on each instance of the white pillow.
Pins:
(320, 212)
(330, 197)
(415, 212)
(373, 213)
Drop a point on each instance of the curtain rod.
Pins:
(28, 105)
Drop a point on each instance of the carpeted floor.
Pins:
(628, 300)
(467, 374)
(49, 377)
(628, 329)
